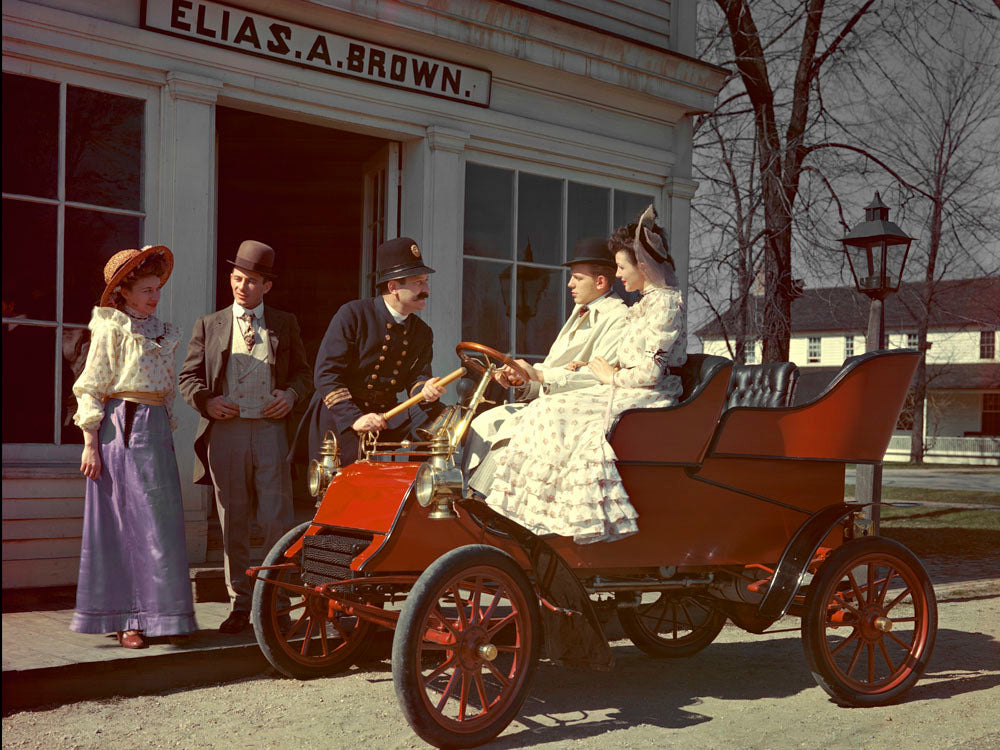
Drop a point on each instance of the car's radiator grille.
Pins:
(327, 557)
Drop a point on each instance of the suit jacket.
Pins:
(207, 357)
(596, 334)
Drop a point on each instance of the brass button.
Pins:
(402, 353)
(374, 376)
(398, 362)
(405, 342)
(381, 358)
(388, 326)
(395, 372)
(385, 348)
(377, 366)
(370, 386)
(388, 337)
(393, 381)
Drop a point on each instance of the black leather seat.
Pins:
(767, 385)
(697, 372)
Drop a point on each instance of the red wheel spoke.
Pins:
(897, 600)
(288, 610)
(501, 623)
(885, 655)
(460, 606)
(854, 585)
(854, 658)
(302, 618)
(900, 641)
(488, 615)
(307, 637)
(848, 639)
(498, 674)
(871, 662)
(439, 669)
(439, 616)
(481, 690)
(897, 620)
(842, 602)
(336, 624)
(477, 600)
(463, 696)
(446, 693)
(687, 615)
(885, 585)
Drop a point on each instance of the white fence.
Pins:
(948, 450)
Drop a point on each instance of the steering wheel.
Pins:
(477, 358)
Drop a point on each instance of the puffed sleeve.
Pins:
(98, 376)
(664, 323)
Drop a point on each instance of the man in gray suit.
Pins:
(245, 369)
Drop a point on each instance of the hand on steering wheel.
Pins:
(478, 358)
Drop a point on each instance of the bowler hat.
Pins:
(592, 250)
(256, 257)
(397, 259)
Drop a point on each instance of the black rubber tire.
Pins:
(419, 665)
(892, 616)
(673, 626)
(283, 645)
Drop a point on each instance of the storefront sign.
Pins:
(256, 34)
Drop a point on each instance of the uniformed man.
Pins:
(374, 349)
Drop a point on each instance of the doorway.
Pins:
(301, 189)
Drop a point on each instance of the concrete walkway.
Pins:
(967, 478)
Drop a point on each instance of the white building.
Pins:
(962, 409)
(495, 133)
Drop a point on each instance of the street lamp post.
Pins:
(876, 251)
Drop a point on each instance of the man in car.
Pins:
(373, 349)
(593, 330)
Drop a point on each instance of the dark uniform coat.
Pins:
(367, 358)
(207, 357)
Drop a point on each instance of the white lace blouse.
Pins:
(126, 354)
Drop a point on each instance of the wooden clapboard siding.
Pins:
(646, 21)
(42, 525)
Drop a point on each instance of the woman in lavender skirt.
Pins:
(133, 562)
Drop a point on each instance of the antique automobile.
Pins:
(741, 517)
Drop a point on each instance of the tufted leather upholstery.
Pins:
(767, 385)
(697, 371)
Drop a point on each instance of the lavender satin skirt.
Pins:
(133, 561)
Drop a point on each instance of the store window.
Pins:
(848, 346)
(987, 344)
(72, 197)
(814, 349)
(912, 341)
(991, 414)
(518, 229)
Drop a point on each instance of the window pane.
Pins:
(30, 136)
(629, 207)
(587, 213)
(103, 148)
(485, 309)
(489, 204)
(75, 346)
(539, 219)
(538, 316)
(29, 260)
(28, 383)
(92, 237)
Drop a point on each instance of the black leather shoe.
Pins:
(237, 622)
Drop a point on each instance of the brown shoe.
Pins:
(131, 639)
(237, 622)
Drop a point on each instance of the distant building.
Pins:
(962, 410)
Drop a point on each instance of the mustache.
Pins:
(423, 295)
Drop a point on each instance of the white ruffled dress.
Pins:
(558, 474)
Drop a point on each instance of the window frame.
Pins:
(517, 167)
(987, 347)
(992, 409)
(912, 341)
(848, 346)
(150, 95)
(814, 359)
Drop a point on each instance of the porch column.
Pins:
(435, 166)
(677, 195)
(187, 227)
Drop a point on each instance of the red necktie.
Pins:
(583, 311)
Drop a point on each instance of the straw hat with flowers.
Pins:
(122, 263)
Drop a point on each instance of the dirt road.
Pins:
(743, 691)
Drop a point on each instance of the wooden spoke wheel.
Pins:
(466, 647)
(477, 358)
(670, 624)
(300, 635)
(870, 622)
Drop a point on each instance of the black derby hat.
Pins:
(255, 256)
(592, 250)
(397, 259)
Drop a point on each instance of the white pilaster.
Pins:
(677, 195)
(442, 205)
(187, 226)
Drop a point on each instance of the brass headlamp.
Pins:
(438, 480)
(325, 467)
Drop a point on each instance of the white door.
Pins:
(380, 215)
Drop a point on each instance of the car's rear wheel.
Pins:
(669, 624)
(466, 646)
(302, 637)
(870, 622)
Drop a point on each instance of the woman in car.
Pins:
(134, 577)
(558, 474)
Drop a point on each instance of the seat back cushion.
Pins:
(767, 385)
